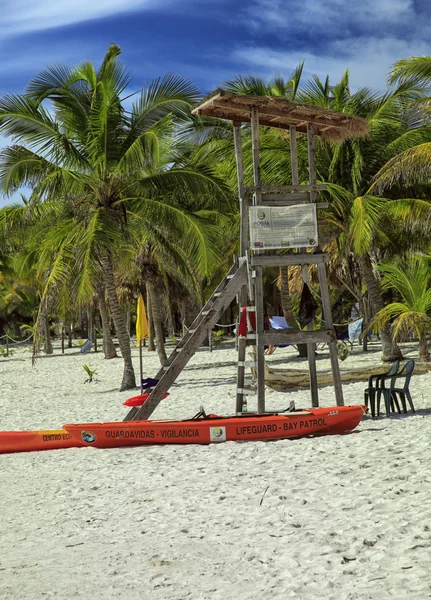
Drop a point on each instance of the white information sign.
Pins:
(283, 226)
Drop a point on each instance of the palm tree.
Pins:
(412, 165)
(411, 280)
(76, 141)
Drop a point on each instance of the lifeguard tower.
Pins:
(271, 218)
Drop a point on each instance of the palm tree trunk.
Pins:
(170, 314)
(286, 306)
(157, 320)
(70, 335)
(390, 349)
(183, 314)
(119, 318)
(128, 317)
(151, 334)
(47, 344)
(108, 345)
(423, 349)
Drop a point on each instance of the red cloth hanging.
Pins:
(242, 328)
(247, 322)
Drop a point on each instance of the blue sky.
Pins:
(210, 41)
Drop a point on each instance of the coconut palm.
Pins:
(76, 141)
(412, 165)
(411, 316)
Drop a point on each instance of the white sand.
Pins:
(344, 517)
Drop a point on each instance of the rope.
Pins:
(221, 325)
(17, 341)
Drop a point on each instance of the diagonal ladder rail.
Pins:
(186, 348)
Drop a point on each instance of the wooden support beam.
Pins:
(267, 114)
(286, 336)
(311, 350)
(294, 155)
(278, 200)
(327, 311)
(289, 259)
(258, 281)
(311, 160)
(260, 342)
(242, 347)
(293, 197)
(243, 208)
(255, 140)
(263, 189)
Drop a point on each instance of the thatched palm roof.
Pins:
(277, 111)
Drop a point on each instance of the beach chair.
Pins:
(404, 392)
(276, 323)
(376, 388)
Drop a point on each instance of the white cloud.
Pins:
(24, 16)
(368, 61)
(319, 15)
(366, 36)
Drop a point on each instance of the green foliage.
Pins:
(410, 278)
(90, 374)
(5, 352)
(106, 179)
(217, 337)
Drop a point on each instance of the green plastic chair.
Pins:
(403, 392)
(376, 388)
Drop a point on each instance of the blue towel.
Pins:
(86, 347)
(355, 329)
(278, 323)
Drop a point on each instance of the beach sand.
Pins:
(343, 517)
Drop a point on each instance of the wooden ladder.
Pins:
(231, 285)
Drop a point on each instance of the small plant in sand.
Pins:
(217, 337)
(5, 352)
(90, 374)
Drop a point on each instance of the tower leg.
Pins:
(260, 347)
(326, 303)
(311, 352)
(242, 347)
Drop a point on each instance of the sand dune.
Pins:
(343, 517)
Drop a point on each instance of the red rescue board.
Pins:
(213, 429)
(28, 441)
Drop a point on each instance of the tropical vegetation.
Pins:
(129, 193)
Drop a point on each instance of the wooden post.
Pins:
(241, 189)
(242, 297)
(62, 339)
(311, 351)
(258, 282)
(311, 162)
(294, 155)
(326, 303)
(255, 140)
